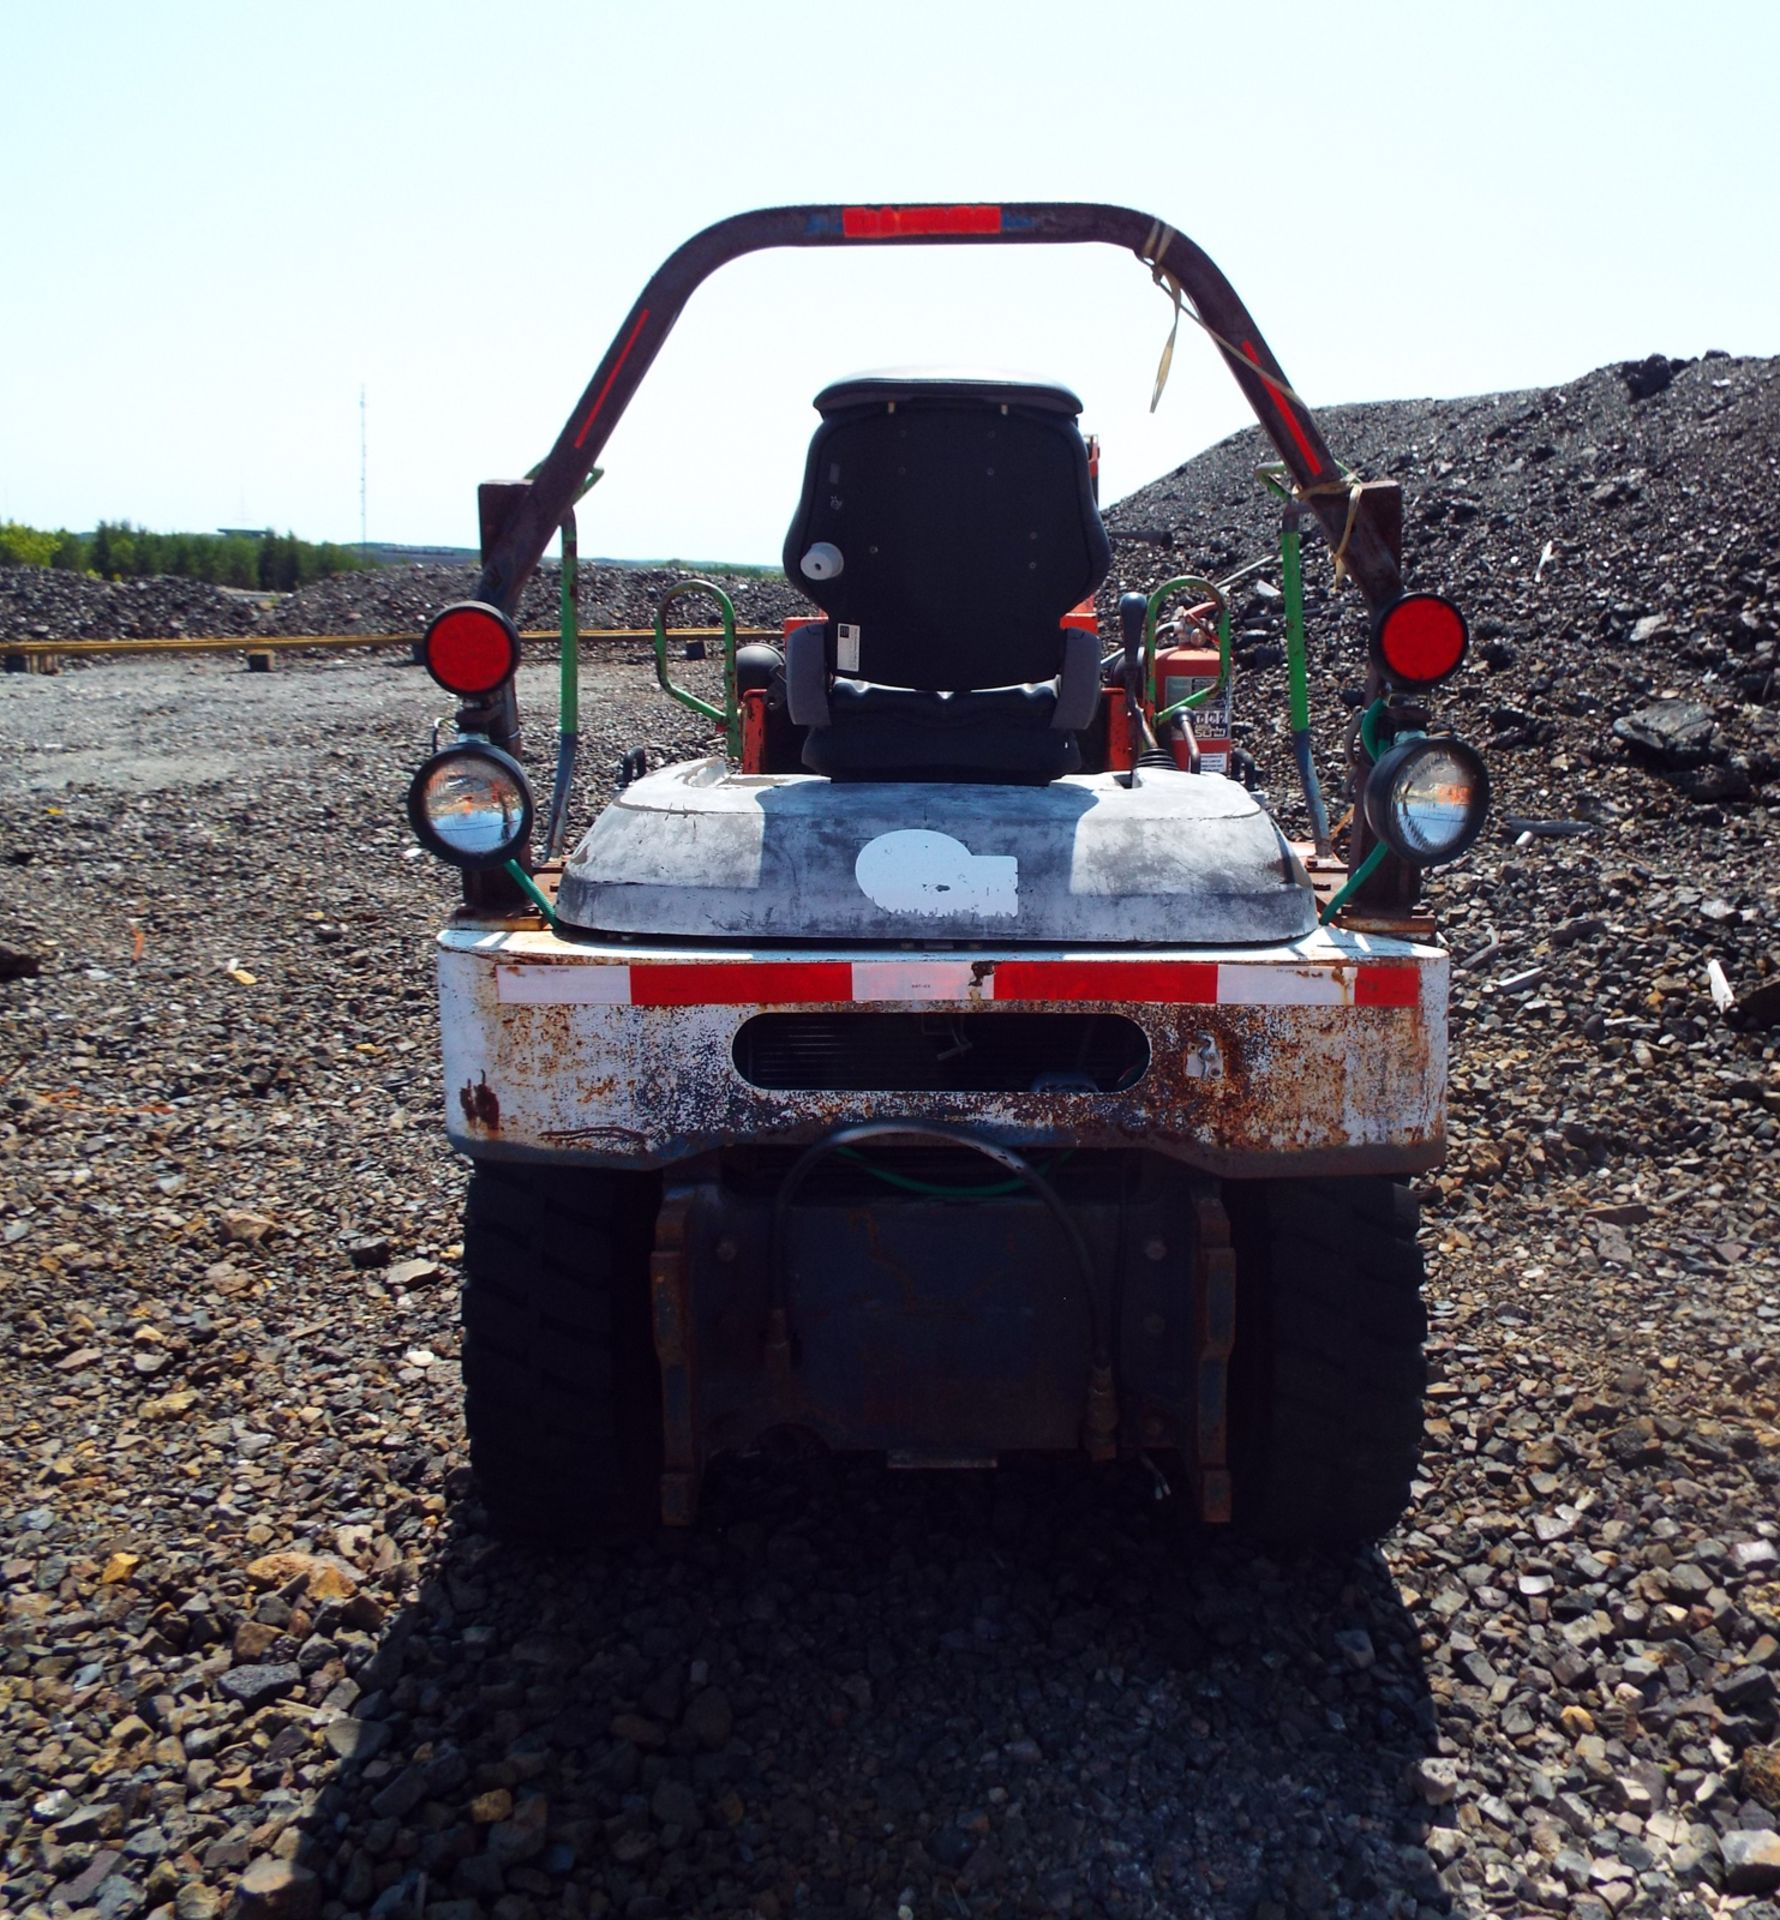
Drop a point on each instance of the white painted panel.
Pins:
(917, 980)
(1282, 987)
(563, 986)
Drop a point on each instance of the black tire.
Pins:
(1327, 1373)
(562, 1393)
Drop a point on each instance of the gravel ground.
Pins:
(258, 1654)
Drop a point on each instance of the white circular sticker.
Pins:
(931, 874)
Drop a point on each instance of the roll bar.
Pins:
(529, 516)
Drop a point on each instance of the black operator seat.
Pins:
(947, 525)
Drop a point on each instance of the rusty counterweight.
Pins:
(1327, 1055)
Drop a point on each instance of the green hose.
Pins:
(1369, 722)
(930, 1191)
(1355, 880)
(568, 707)
(532, 891)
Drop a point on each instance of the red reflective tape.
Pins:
(739, 983)
(623, 355)
(778, 983)
(1285, 410)
(910, 223)
(1164, 982)
(1388, 987)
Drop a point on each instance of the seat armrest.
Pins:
(806, 675)
(1078, 684)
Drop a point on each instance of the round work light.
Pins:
(1427, 799)
(471, 805)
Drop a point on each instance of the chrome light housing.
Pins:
(471, 805)
(1427, 799)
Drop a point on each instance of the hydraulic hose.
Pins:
(1102, 1410)
(1291, 566)
(568, 719)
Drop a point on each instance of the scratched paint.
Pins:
(1310, 1081)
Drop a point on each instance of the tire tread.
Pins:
(1328, 1371)
(561, 1392)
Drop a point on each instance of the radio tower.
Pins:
(364, 544)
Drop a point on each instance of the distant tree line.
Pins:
(115, 550)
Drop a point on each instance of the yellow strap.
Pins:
(1279, 475)
(1151, 254)
(1350, 485)
(1172, 285)
(1154, 250)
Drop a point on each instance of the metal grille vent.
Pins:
(941, 1052)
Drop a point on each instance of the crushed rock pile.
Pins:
(1606, 538)
(37, 603)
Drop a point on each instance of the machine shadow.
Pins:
(848, 1690)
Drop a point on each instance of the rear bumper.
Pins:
(1324, 1056)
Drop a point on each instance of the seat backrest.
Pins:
(962, 514)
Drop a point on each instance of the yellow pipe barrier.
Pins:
(255, 642)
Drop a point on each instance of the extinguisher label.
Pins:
(1211, 721)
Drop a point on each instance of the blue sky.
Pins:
(224, 220)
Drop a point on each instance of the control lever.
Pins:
(1134, 612)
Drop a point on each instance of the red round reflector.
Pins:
(1420, 639)
(471, 649)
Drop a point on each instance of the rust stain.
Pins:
(551, 1028)
(1288, 1084)
(592, 1135)
(481, 1104)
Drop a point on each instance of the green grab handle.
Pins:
(729, 714)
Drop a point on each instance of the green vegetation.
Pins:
(26, 547)
(726, 569)
(115, 550)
